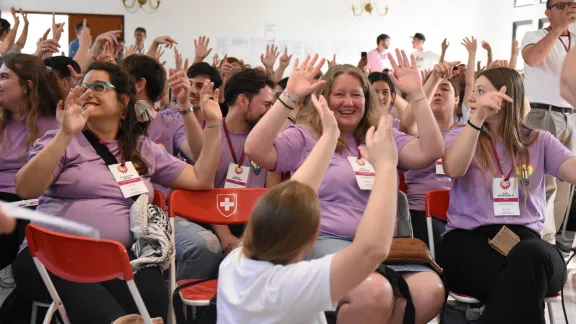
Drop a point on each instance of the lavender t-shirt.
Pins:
(169, 133)
(14, 153)
(85, 191)
(419, 182)
(341, 200)
(257, 177)
(471, 203)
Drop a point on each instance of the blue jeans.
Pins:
(198, 250)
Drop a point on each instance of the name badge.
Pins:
(237, 176)
(505, 195)
(364, 172)
(440, 167)
(128, 179)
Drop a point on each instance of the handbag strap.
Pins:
(103, 151)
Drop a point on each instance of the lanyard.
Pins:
(358, 149)
(231, 146)
(507, 177)
(96, 141)
(567, 48)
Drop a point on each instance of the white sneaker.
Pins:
(6, 278)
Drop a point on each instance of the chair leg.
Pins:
(550, 312)
(139, 302)
(34, 313)
(50, 313)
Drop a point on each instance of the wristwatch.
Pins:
(187, 110)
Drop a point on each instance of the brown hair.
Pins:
(284, 222)
(515, 133)
(309, 116)
(42, 98)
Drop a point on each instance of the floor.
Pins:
(569, 292)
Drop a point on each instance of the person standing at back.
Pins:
(140, 37)
(75, 44)
(424, 59)
(544, 51)
(377, 57)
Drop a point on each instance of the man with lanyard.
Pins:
(249, 94)
(544, 52)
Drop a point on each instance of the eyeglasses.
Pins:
(97, 86)
(562, 5)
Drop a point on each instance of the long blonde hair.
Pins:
(309, 116)
(515, 133)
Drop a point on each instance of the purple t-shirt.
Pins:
(342, 201)
(85, 191)
(169, 133)
(14, 153)
(471, 203)
(419, 182)
(257, 177)
(168, 112)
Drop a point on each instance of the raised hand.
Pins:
(106, 56)
(333, 62)
(471, 44)
(479, 68)
(209, 103)
(271, 56)
(498, 63)
(201, 48)
(445, 70)
(405, 75)
(57, 28)
(109, 37)
(301, 82)
(180, 85)
(380, 148)
(47, 46)
(77, 77)
(215, 60)
(177, 59)
(131, 50)
(486, 46)
(14, 16)
(159, 52)
(425, 74)
(489, 104)
(165, 40)
(567, 17)
(515, 48)
(24, 16)
(285, 59)
(226, 67)
(85, 37)
(445, 45)
(75, 115)
(329, 123)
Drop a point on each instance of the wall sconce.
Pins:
(367, 7)
(134, 5)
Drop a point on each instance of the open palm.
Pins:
(301, 81)
(406, 76)
(75, 116)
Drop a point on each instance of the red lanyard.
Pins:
(567, 48)
(507, 177)
(232, 147)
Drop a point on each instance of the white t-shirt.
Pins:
(542, 82)
(260, 292)
(426, 59)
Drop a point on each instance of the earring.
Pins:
(123, 114)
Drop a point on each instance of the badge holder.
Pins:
(504, 241)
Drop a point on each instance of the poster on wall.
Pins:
(522, 3)
(519, 28)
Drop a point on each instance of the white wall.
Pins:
(326, 26)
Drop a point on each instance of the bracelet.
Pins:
(213, 126)
(290, 97)
(291, 108)
(474, 126)
(419, 99)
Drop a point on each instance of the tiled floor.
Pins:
(569, 294)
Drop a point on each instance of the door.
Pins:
(98, 24)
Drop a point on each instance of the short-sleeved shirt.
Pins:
(542, 82)
(342, 201)
(73, 48)
(169, 133)
(419, 182)
(426, 59)
(377, 60)
(260, 292)
(84, 189)
(471, 201)
(14, 152)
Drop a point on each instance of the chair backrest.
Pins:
(159, 200)
(403, 221)
(401, 184)
(78, 259)
(222, 206)
(436, 204)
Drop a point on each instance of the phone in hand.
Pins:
(364, 55)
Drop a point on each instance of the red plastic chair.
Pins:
(159, 200)
(436, 205)
(223, 206)
(79, 259)
(401, 183)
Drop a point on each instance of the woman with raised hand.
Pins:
(492, 248)
(29, 94)
(256, 281)
(345, 190)
(76, 183)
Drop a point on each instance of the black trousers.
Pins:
(420, 229)
(98, 303)
(513, 288)
(10, 243)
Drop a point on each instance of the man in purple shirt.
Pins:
(377, 57)
(199, 251)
